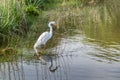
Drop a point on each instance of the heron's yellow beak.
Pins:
(56, 26)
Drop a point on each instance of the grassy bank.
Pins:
(16, 18)
(22, 23)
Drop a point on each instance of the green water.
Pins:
(104, 34)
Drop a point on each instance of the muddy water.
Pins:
(78, 58)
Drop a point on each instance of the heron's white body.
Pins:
(43, 38)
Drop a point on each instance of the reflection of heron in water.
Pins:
(45, 59)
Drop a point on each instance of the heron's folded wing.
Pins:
(44, 37)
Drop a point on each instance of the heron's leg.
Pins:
(44, 48)
(36, 51)
(42, 60)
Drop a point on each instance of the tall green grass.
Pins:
(12, 15)
(16, 18)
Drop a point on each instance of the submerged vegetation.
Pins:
(22, 21)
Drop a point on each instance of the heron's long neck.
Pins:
(51, 30)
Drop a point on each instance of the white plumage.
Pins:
(44, 37)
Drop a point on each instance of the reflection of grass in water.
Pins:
(109, 54)
(95, 21)
(103, 22)
(8, 58)
(107, 57)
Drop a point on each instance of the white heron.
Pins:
(44, 37)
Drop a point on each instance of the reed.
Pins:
(15, 19)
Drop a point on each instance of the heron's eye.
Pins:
(52, 24)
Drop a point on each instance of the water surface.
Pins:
(78, 58)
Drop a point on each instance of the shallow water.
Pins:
(77, 58)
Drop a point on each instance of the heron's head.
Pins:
(52, 23)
